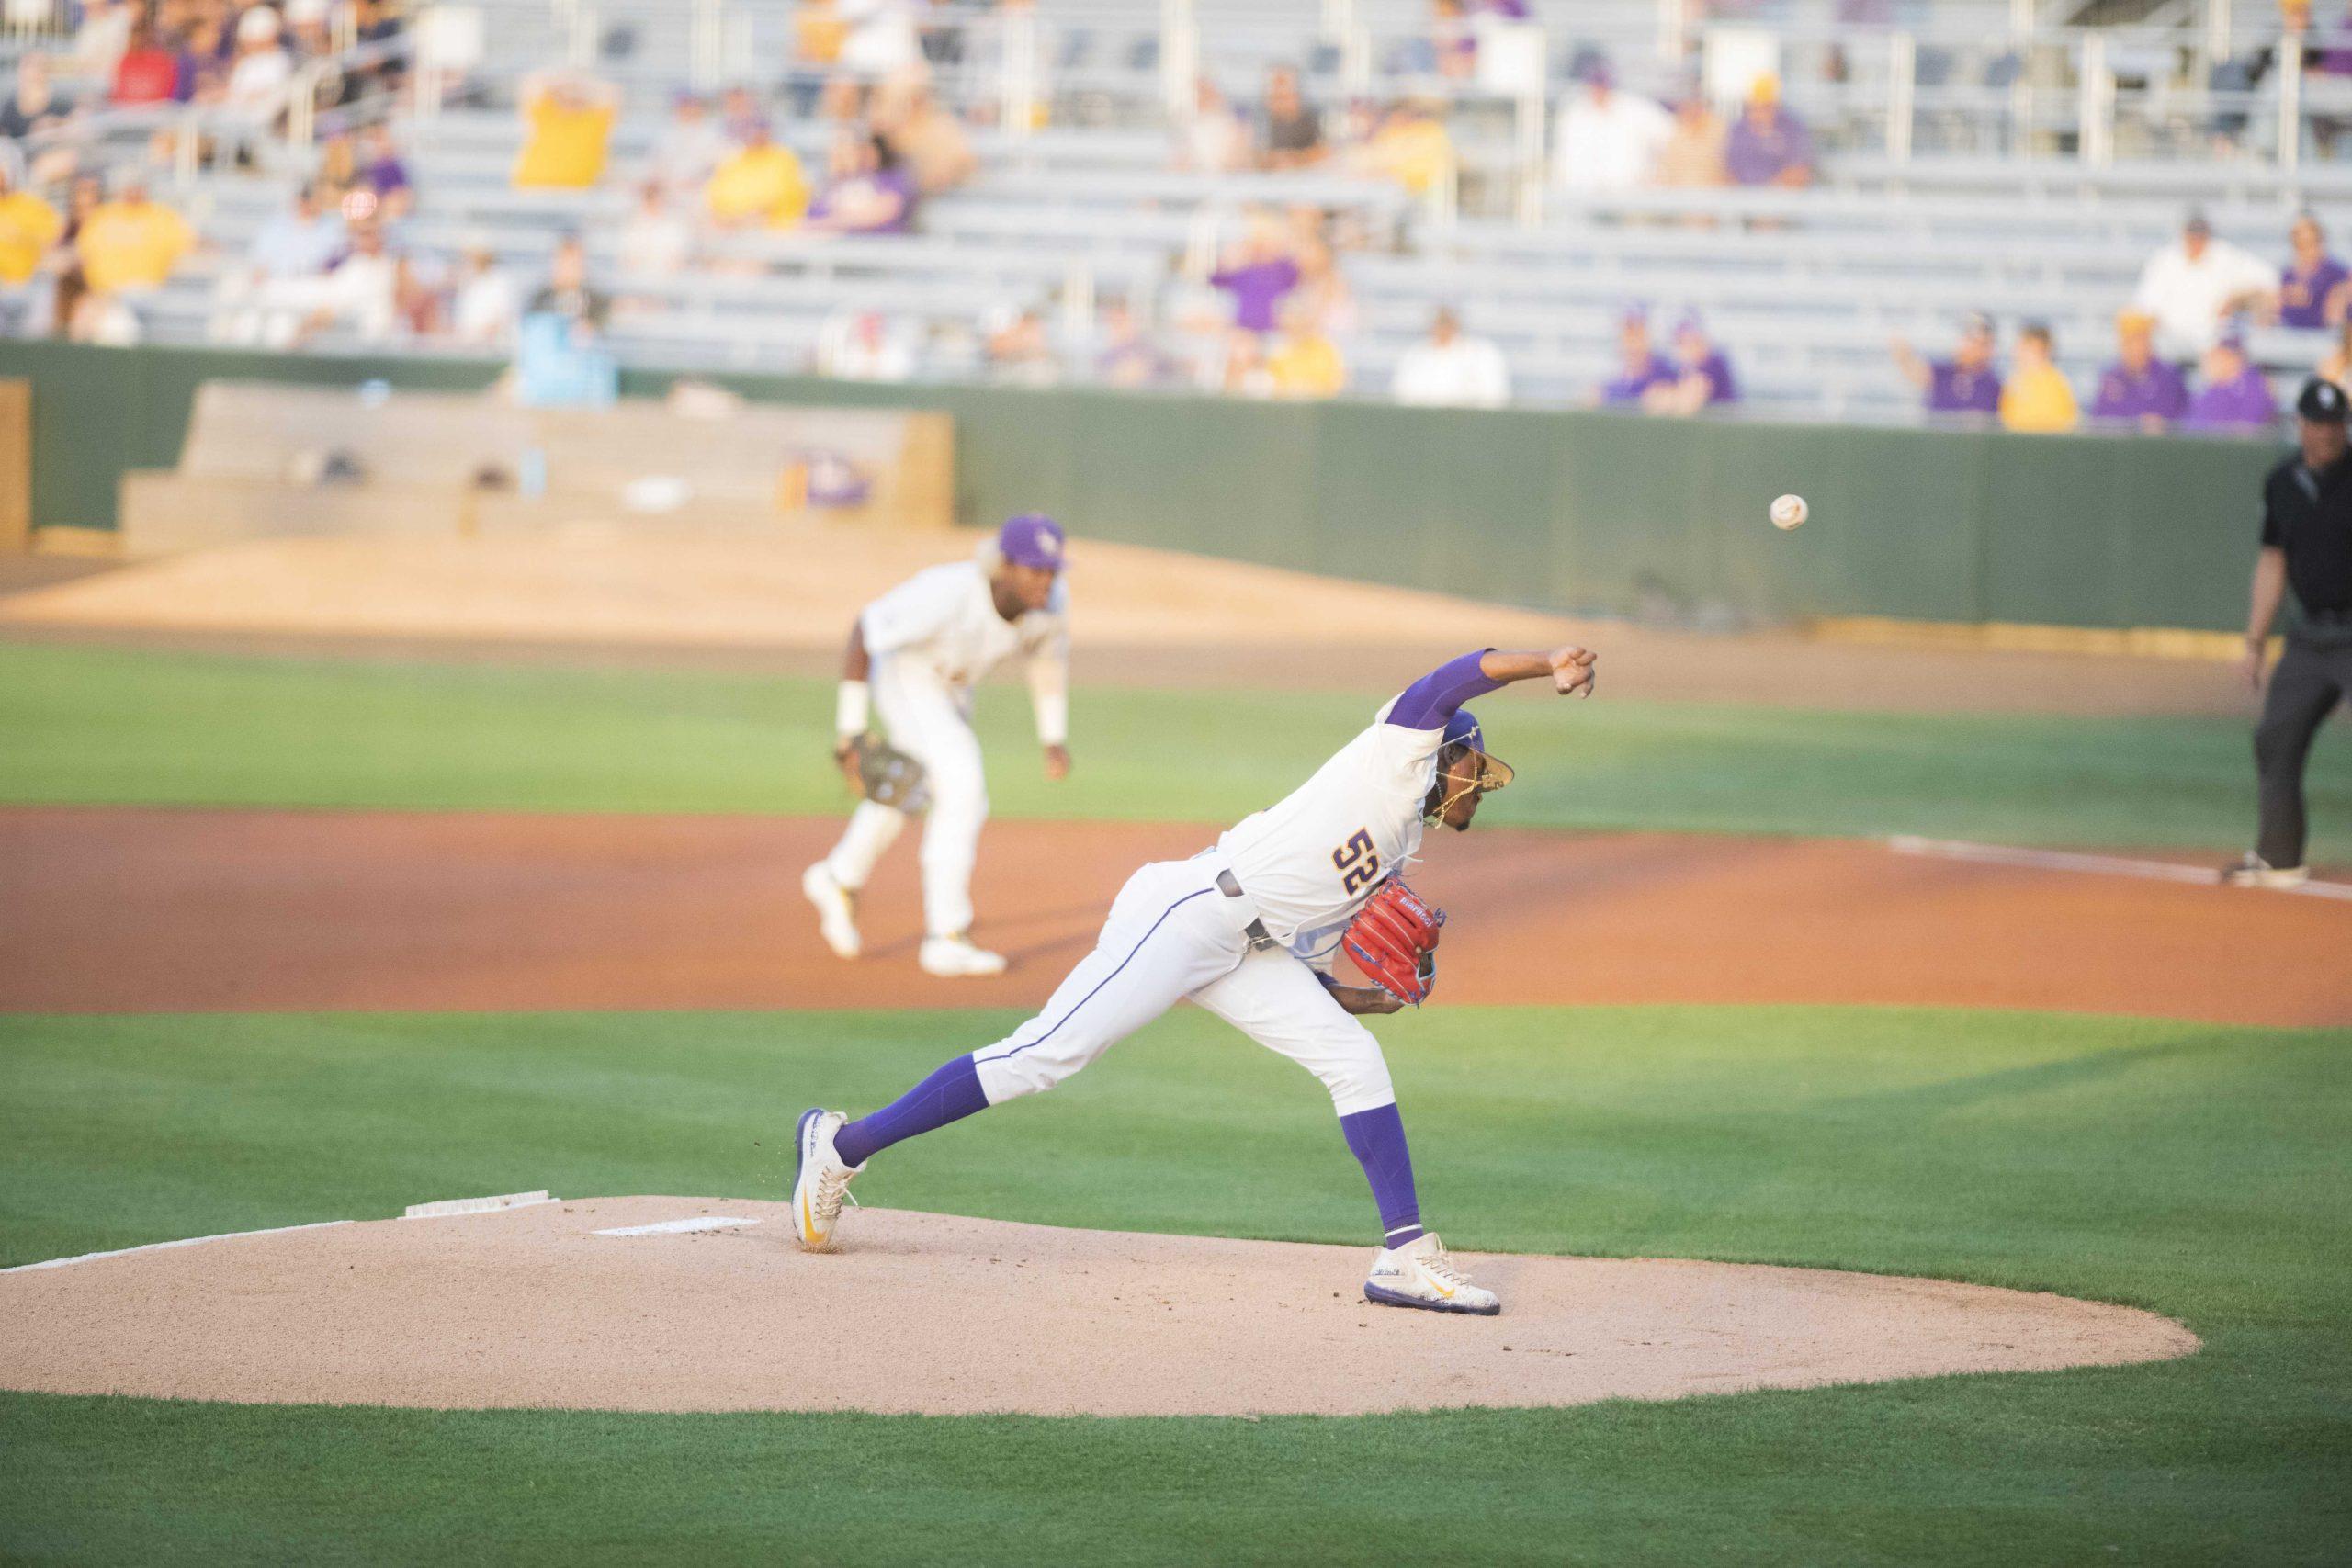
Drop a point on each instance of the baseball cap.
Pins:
(1463, 729)
(2322, 401)
(1031, 539)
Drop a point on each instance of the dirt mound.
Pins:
(188, 910)
(545, 1307)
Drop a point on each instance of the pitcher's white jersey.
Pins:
(942, 621)
(1310, 861)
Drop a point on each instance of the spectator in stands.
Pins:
(929, 142)
(1692, 157)
(1258, 277)
(1449, 369)
(688, 148)
(1768, 146)
(817, 34)
(2236, 395)
(568, 126)
(148, 70)
(863, 345)
(101, 40)
(1304, 362)
(882, 38)
(486, 307)
(1640, 366)
(88, 315)
(306, 28)
(206, 48)
(130, 244)
(1607, 140)
(28, 227)
(255, 90)
(32, 105)
(655, 242)
(362, 291)
(1128, 357)
(2315, 288)
(1411, 147)
(566, 292)
(2037, 399)
(758, 184)
(1018, 350)
(1322, 287)
(2195, 284)
(1965, 384)
(301, 242)
(1702, 374)
(870, 191)
(1211, 139)
(1453, 41)
(383, 173)
(1292, 134)
(739, 110)
(2139, 386)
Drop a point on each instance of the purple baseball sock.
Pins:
(1377, 1140)
(950, 1094)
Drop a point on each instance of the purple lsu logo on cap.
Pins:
(1031, 539)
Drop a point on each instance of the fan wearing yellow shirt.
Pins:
(1305, 363)
(2037, 399)
(28, 226)
(131, 241)
(567, 123)
(760, 183)
(1411, 147)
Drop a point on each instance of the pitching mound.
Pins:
(548, 1307)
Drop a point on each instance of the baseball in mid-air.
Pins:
(1789, 511)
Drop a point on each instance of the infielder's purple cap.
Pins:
(1031, 539)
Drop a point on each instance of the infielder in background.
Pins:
(2306, 545)
(1249, 931)
(914, 656)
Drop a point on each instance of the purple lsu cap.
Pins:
(1031, 539)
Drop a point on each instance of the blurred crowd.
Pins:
(850, 139)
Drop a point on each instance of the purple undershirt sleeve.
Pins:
(1429, 702)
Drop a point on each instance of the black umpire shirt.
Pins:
(2309, 515)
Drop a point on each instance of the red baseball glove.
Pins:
(1393, 940)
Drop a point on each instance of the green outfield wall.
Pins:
(1564, 510)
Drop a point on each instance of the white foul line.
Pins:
(161, 1246)
(2068, 860)
(677, 1227)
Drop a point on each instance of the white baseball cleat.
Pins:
(821, 1180)
(1421, 1274)
(2255, 871)
(954, 957)
(836, 911)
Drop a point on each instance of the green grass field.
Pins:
(101, 725)
(2193, 1169)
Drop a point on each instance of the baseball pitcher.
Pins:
(1248, 930)
(914, 656)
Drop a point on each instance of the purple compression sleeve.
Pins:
(950, 1094)
(1377, 1140)
(1429, 702)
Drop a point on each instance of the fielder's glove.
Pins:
(1393, 940)
(881, 773)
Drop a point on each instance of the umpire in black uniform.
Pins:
(2306, 545)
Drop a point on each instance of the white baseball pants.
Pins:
(1172, 935)
(931, 722)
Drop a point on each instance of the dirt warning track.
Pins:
(106, 909)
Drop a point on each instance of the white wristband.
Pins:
(1052, 718)
(851, 709)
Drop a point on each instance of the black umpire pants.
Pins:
(2313, 676)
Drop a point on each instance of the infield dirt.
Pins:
(533, 1307)
(108, 910)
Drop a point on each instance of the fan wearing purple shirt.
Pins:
(2139, 386)
(1703, 375)
(1639, 365)
(2236, 395)
(1966, 383)
(2314, 289)
(869, 193)
(1767, 145)
(1258, 279)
